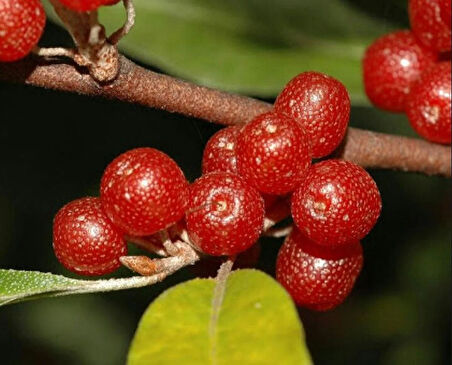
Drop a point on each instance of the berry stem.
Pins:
(279, 232)
(135, 84)
(130, 21)
(94, 51)
(54, 52)
(146, 266)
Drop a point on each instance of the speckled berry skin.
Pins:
(318, 277)
(225, 215)
(273, 153)
(390, 65)
(219, 153)
(321, 105)
(429, 104)
(21, 26)
(144, 191)
(430, 22)
(84, 239)
(86, 5)
(337, 203)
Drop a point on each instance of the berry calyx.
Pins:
(84, 239)
(318, 277)
(321, 105)
(273, 153)
(21, 26)
(86, 5)
(225, 215)
(429, 104)
(390, 65)
(430, 22)
(144, 191)
(219, 153)
(338, 202)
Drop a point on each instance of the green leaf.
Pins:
(249, 46)
(257, 323)
(16, 285)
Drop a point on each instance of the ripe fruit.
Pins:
(321, 105)
(273, 153)
(219, 153)
(430, 22)
(318, 277)
(429, 104)
(21, 26)
(337, 203)
(225, 215)
(390, 65)
(84, 239)
(144, 191)
(86, 5)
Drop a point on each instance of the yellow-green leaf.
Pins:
(257, 323)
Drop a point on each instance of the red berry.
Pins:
(445, 11)
(86, 5)
(84, 239)
(337, 203)
(430, 22)
(390, 65)
(144, 191)
(21, 26)
(429, 104)
(219, 153)
(225, 215)
(273, 153)
(318, 277)
(321, 105)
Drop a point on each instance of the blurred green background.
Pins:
(54, 147)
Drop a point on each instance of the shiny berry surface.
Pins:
(219, 153)
(390, 66)
(317, 277)
(225, 215)
(144, 191)
(86, 5)
(84, 239)
(321, 105)
(430, 22)
(273, 153)
(21, 25)
(337, 203)
(429, 104)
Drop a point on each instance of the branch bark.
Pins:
(135, 84)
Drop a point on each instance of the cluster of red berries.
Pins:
(410, 70)
(22, 24)
(246, 169)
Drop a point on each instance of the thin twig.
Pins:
(135, 84)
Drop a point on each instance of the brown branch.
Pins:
(135, 84)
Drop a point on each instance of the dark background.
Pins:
(53, 149)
